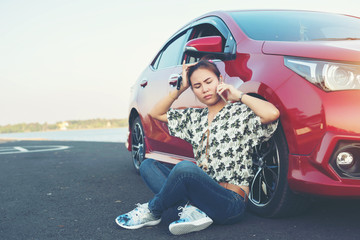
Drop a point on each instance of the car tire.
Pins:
(270, 195)
(138, 147)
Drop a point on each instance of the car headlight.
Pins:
(329, 76)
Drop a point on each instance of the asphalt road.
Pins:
(76, 193)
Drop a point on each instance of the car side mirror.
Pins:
(200, 47)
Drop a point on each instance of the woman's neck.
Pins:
(214, 109)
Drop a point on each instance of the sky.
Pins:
(77, 59)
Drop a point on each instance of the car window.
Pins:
(205, 30)
(172, 53)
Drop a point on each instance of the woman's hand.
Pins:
(185, 81)
(229, 92)
(265, 110)
(160, 108)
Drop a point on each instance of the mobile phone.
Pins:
(222, 97)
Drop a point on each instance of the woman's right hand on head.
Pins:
(185, 81)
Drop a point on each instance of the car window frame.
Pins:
(217, 22)
(220, 25)
(157, 59)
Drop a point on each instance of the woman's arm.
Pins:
(160, 109)
(265, 110)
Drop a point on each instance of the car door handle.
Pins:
(143, 83)
(173, 79)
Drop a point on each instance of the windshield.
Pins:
(297, 26)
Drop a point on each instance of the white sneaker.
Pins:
(137, 218)
(191, 219)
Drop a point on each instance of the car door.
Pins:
(156, 82)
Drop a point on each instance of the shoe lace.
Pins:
(185, 211)
(139, 211)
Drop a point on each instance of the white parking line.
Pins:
(30, 149)
(21, 149)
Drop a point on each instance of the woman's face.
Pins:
(204, 85)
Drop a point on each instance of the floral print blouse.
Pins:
(223, 149)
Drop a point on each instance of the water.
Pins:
(93, 135)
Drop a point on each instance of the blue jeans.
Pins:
(186, 182)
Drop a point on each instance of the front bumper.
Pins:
(315, 175)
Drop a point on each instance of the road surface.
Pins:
(75, 190)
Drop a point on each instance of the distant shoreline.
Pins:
(58, 130)
(118, 134)
(64, 126)
(5, 140)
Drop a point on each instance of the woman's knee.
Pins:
(185, 167)
(145, 165)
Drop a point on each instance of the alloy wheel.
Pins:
(137, 145)
(266, 166)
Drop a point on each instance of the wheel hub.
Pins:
(266, 169)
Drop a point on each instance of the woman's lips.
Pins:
(207, 97)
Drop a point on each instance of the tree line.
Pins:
(64, 125)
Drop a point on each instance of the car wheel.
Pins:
(137, 143)
(270, 195)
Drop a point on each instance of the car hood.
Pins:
(329, 50)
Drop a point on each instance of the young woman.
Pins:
(215, 189)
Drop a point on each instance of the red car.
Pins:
(306, 63)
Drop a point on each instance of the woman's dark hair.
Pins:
(203, 64)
